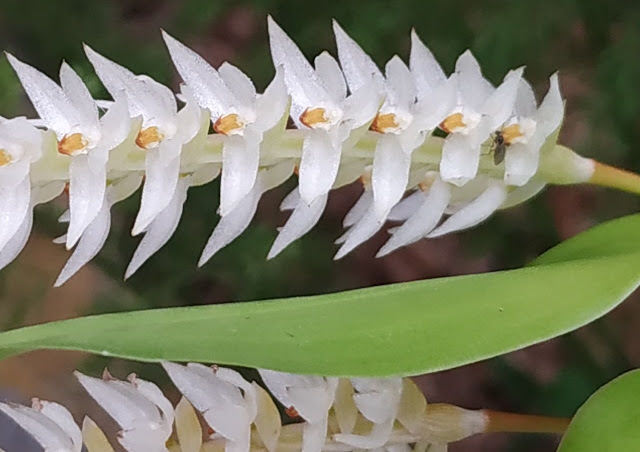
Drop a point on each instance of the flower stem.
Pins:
(612, 177)
(500, 422)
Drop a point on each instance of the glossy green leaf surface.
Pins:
(399, 329)
(609, 420)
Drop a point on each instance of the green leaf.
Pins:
(399, 329)
(609, 420)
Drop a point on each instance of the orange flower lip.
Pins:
(384, 123)
(149, 137)
(511, 133)
(228, 124)
(72, 144)
(453, 123)
(5, 157)
(314, 117)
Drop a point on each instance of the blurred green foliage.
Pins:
(594, 43)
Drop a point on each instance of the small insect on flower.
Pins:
(499, 148)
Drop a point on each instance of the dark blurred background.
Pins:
(594, 43)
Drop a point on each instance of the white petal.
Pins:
(14, 206)
(425, 218)
(551, 110)
(329, 72)
(358, 67)
(304, 86)
(86, 196)
(303, 218)
(359, 209)
(500, 104)
(116, 124)
(43, 429)
(523, 193)
(349, 171)
(521, 163)
(474, 88)
(240, 160)
(231, 225)
(80, 97)
(318, 165)
(61, 416)
(460, 159)
(401, 89)
(525, 100)
(363, 230)
(406, 207)
(390, 174)
(145, 97)
(52, 105)
(272, 105)
(314, 436)
(207, 85)
(425, 69)
(158, 190)
(240, 85)
(120, 189)
(432, 109)
(378, 437)
(160, 229)
(362, 105)
(17, 242)
(475, 212)
(88, 246)
(291, 201)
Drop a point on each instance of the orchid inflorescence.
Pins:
(352, 122)
(329, 414)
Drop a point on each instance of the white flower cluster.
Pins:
(353, 122)
(333, 415)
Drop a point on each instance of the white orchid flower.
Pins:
(480, 110)
(163, 133)
(72, 114)
(310, 397)
(138, 407)
(50, 424)
(416, 101)
(225, 399)
(378, 400)
(237, 112)
(525, 132)
(320, 106)
(20, 146)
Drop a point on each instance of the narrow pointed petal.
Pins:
(390, 174)
(362, 105)
(359, 209)
(80, 97)
(231, 225)
(362, 231)
(52, 105)
(475, 212)
(116, 124)
(62, 417)
(88, 246)
(158, 189)
(188, 428)
(474, 88)
(17, 242)
(14, 206)
(314, 436)
(272, 105)
(240, 85)
(460, 159)
(357, 66)
(425, 69)
(290, 201)
(303, 218)
(207, 85)
(423, 221)
(525, 100)
(499, 106)
(94, 438)
(86, 195)
(551, 110)
(521, 194)
(401, 88)
(329, 72)
(318, 165)
(378, 437)
(406, 207)
(160, 229)
(432, 109)
(303, 84)
(240, 160)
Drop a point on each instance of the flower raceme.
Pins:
(330, 414)
(353, 122)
